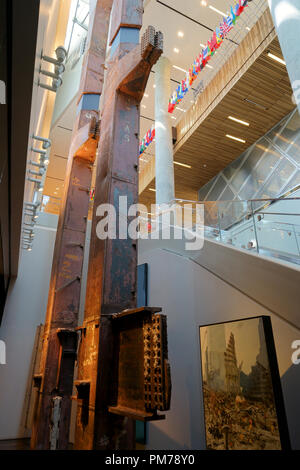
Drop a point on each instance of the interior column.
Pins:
(286, 17)
(164, 166)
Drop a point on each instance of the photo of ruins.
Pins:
(239, 405)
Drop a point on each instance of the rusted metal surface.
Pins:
(111, 285)
(142, 372)
(60, 336)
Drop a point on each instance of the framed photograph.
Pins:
(243, 401)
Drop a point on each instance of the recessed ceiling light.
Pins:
(182, 164)
(247, 27)
(235, 138)
(154, 86)
(146, 95)
(152, 189)
(176, 50)
(204, 166)
(179, 68)
(239, 121)
(180, 34)
(143, 106)
(204, 3)
(180, 109)
(217, 11)
(274, 57)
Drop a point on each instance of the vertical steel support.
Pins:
(52, 421)
(111, 285)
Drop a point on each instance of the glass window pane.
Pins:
(230, 170)
(295, 181)
(278, 179)
(217, 189)
(205, 189)
(256, 153)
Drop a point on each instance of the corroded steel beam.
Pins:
(52, 414)
(111, 285)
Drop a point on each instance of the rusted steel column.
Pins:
(52, 417)
(111, 285)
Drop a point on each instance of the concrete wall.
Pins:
(192, 296)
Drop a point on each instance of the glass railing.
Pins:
(266, 226)
(269, 227)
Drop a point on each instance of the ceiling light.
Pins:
(180, 34)
(235, 138)
(274, 57)
(182, 164)
(239, 121)
(202, 45)
(204, 3)
(179, 68)
(143, 106)
(173, 117)
(247, 28)
(176, 50)
(217, 11)
(152, 189)
(146, 95)
(180, 109)
(154, 86)
(209, 66)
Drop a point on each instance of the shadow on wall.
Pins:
(291, 391)
(158, 436)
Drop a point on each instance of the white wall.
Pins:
(24, 310)
(191, 296)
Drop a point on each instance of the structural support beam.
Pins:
(52, 416)
(164, 166)
(286, 17)
(111, 285)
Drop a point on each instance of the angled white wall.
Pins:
(192, 296)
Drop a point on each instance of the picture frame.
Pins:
(242, 395)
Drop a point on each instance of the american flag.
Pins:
(226, 26)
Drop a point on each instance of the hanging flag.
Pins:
(207, 52)
(233, 17)
(92, 194)
(242, 5)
